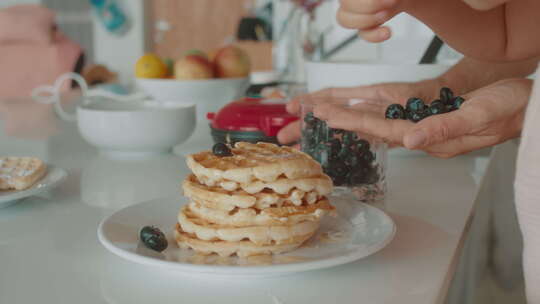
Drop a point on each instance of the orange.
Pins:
(150, 66)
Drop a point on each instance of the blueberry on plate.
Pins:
(437, 107)
(153, 238)
(446, 95)
(221, 150)
(395, 111)
(415, 104)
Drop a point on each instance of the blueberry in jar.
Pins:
(367, 157)
(153, 238)
(362, 145)
(437, 107)
(446, 95)
(221, 150)
(310, 119)
(335, 147)
(415, 104)
(395, 111)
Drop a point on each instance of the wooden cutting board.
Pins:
(205, 25)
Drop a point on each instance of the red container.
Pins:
(250, 119)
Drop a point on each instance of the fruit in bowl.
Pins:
(231, 62)
(193, 67)
(193, 78)
(150, 66)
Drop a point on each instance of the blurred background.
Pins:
(288, 41)
(267, 29)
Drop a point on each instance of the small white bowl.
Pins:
(208, 94)
(135, 130)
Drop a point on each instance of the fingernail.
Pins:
(417, 139)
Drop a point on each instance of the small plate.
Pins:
(358, 231)
(53, 177)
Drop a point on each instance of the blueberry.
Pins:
(153, 238)
(415, 104)
(362, 145)
(310, 119)
(372, 176)
(417, 116)
(335, 147)
(395, 111)
(367, 156)
(221, 149)
(351, 160)
(349, 138)
(457, 102)
(358, 176)
(437, 107)
(446, 95)
(337, 170)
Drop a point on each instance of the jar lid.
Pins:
(252, 114)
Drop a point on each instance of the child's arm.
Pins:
(508, 32)
(505, 33)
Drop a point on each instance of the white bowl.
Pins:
(321, 75)
(208, 94)
(135, 130)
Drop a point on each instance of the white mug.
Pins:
(124, 126)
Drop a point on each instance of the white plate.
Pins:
(53, 177)
(359, 230)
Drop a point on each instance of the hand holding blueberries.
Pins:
(489, 116)
(397, 92)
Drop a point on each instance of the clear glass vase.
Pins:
(356, 163)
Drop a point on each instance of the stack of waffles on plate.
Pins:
(262, 199)
(19, 173)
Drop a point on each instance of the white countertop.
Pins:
(49, 252)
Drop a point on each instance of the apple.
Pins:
(231, 62)
(196, 52)
(193, 67)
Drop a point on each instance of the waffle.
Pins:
(250, 162)
(259, 235)
(241, 248)
(246, 217)
(297, 192)
(19, 173)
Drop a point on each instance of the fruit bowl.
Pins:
(208, 94)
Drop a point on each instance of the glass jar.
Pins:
(356, 163)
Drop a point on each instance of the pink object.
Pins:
(26, 65)
(29, 23)
(527, 187)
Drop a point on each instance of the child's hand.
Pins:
(367, 16)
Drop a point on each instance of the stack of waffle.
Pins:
(261, 199)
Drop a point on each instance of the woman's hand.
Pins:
(382, 94)
(489, 116)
